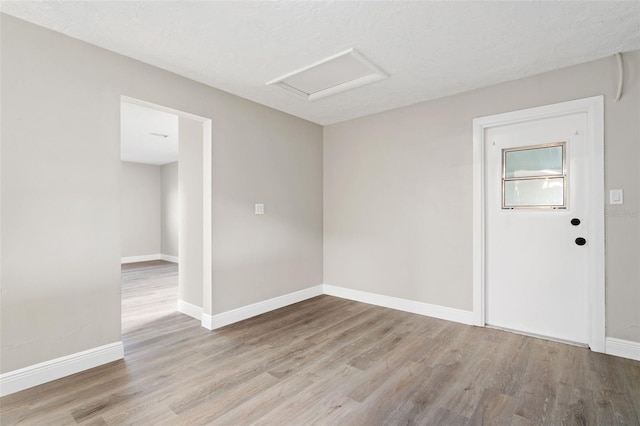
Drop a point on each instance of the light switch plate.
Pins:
(259, 208)
(616, 196)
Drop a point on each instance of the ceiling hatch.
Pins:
(332, 75)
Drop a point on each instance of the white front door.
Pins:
(536, 231)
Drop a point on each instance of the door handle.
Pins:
(581, 241)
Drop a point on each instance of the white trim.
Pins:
(140, 102)
(623, 348)
(142, 258)
(478, 262)
(594, 108)
(212, 322)
(169, 258)
(149, 257)
(412, 306)
(34, 375)
(207, 175)
(207, 219)
(189, 309)
(596, 285)
(443, 312)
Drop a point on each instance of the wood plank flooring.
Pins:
(327, 361)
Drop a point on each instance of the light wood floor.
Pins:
(327, 361)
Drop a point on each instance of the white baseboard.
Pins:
(169, 258)
(15, 381)
(412, 306)
(622, 348)
(189, 309)
(211, 322)
(148, 257)
(34, 375)
(143, 258)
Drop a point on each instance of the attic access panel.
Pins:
(338, 73)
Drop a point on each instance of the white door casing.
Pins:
(559, 293)
(207, 173)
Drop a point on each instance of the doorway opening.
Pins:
(165, 214)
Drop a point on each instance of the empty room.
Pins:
(370, 212)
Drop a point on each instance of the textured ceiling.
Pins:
(140, 131)
(430, 49)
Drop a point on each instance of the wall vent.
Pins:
(332, 75)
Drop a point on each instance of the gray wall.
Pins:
(398, 191)
(170, 209)
(149, 209)
(60, 180)
(190, 207)
(140, 212)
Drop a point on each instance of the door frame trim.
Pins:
(207, 176)
(593, 107)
